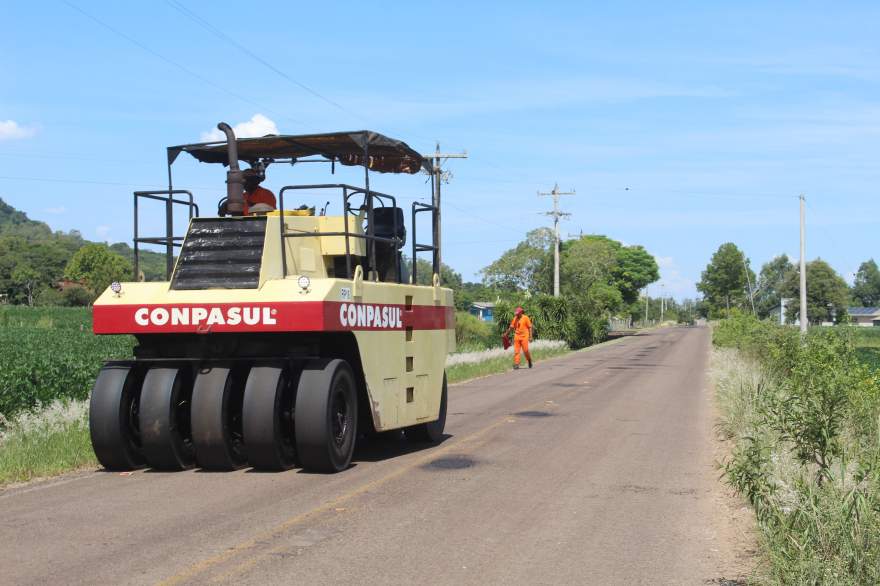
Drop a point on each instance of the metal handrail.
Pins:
(347, 192)
(417, 208)
(169, 240)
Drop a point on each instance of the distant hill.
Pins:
(30, 243)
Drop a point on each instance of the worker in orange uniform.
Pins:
(256, 198)
(523, 333)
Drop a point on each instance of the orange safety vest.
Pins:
(522, 326)
(258, 195)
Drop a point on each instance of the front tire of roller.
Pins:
(216, 418)
(113, 417)
(326, 415)
(267, 418)
(432, 431)
(165, 418)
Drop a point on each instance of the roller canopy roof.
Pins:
(386, 155)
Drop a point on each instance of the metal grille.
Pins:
(221, 254)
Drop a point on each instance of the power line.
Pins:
(86, 181)
(222, 35)
(173, 63)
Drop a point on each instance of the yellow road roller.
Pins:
(280, 335)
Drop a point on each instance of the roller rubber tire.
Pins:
(326, 415)
(113, 417)
(267, 418)
(217, 398)
(165, 418)
(432, 431)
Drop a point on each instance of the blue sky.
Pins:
(713, 116)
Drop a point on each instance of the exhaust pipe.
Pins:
(234, 178)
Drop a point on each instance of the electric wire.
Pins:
(244, 49)
(177, 65)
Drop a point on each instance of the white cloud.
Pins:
(672, 282)
(12, 130)
(102, 231)
(258, 125)
(57, 211)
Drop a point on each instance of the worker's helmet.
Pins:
(518, 311)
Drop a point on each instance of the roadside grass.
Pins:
(461, 372)
(802, 420)
(45, 443)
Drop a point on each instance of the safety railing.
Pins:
(169, 240)
(348, 191)
(417, 208)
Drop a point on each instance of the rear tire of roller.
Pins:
(113, 417)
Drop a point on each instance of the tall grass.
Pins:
(802, 418)
(45, 442)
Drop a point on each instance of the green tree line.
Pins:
(34, 260)
(728, 283)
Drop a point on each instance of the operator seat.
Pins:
(383, 227)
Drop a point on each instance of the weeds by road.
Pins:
(475, 364)
(45, 443)
(803, 419)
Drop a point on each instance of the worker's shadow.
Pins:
(389, 445)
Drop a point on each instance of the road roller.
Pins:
(282, 334)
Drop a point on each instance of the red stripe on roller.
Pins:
(303, 316)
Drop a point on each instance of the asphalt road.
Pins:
(595, 468)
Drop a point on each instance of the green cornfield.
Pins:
(50, 353)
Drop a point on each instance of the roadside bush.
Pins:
(572, 319)
(472, 333)
(802, 414)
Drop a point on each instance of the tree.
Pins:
(96, 266)
(425, 273)
(588, 261)
(771, 282)
(636, 269)
(527, 267)
(827, 294)
(866, 289)
(26, 279)
(724, 283)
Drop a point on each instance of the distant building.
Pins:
(483, 310)
(65, 284)
(865, 316)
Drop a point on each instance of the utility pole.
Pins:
(647, 303)
(662, 301)
(556, 214)
(803, 269)
(749, 281)
(438, 176)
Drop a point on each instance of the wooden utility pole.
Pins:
(439, 176)
(556, 214)
(803, 269)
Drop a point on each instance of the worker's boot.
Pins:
(516, 367)
(530, 363)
